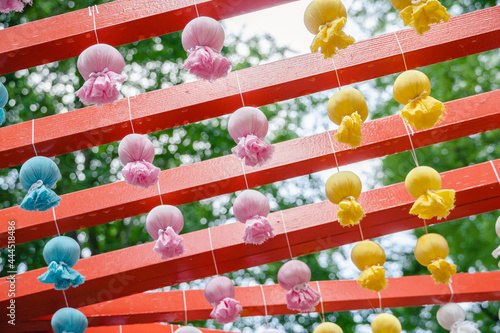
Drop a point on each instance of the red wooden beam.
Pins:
(310, 228)
(222, 175)
(337, 296)
(298, 76)
(117, 23)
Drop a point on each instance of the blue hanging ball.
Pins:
(4, 97)
(61, 254)
(38, 175)
(69, 320)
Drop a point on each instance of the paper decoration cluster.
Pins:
(164, 223)
(220, 293)
(431, 251)
(369, 257)
(451, 317)
(343, 189)
(294, 276)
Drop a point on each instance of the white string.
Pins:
(425, 226)
(196, 7)
(92, 13)
(55, 221)
(333, 149)
(172, 328)
(413, 153)
(495, 170)
(337, 73)
(402, 53)
(33, 135)
(159, 192)
(130, 115)
(244, 174)
(120, 328)
(65, 299)
(321, 300)
(286, 234)
(212, 249)
(239, 87)
(185, 308)
(451, 291)
(380, 301)
(265, 305)
(361, 232)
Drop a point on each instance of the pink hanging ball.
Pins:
(251, 207)
(220, 293)
(248, 127)
(101, 66)
(164, 223)
(203, 31)
(137, 152)
(294, 276)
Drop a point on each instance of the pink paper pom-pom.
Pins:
(7, 6)
(101, 66)
(294, 276)
(164, 223)
(220, 293)
(203, 39)
(136, 152)
(248, 127)
(251, 207)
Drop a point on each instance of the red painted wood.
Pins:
(310, 228)
(119, 22)
(337, 296)
(223, 175)
(284, 79)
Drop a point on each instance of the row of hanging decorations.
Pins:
(203, 40)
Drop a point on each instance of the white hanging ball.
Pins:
(497, 226)
(188, 329)
(271, 330)
(449, 314)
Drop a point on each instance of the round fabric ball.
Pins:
(344, 103)
(328, 328)
(421, 179)
(188, 329)
(448, 314)
(69, 320)
(136, 147)
(245, 121)
(162, 217)
(250, 203)
(292, 273)
(97, 58)
(366, 254)
(4, 97)
(39, 168)
(219, 288)
(203, 31)
(431, 247)
(386, 323)
(399, 5)
(410, 85)
(341, 185)
(62, 249)
(497, 226)
(321, 12)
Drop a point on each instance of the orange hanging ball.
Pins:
(420, 14)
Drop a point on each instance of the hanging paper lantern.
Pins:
(101, 66)
(451, 317)
(344, 189)
(136, 152)
(424, 184)
(248, 128)
(412, 88)
(420, 14)
(326, 19)
(251, 207)
(369, 257)
(203, 39)
(386, 323)
(164, 223)
(294, 276)
(496, 253)
(69, 320)
(4, 97)
(348, 109)
(38, 176)
(188, 329)
(61, 254)
(328, 328)
(431, 251)
(220, 293)
(7, 6)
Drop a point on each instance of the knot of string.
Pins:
(265, 305)
(336, 73)
(92, 12)
(401, 49)
(495, 171)
(185, 308)
(286, 235)
(333, 149)
(33, 135)
(321, 302)
(239, 88)
(413, 154)
(212, 249)
(130, 115)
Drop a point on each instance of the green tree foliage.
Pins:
(156, 63)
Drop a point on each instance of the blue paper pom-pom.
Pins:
(69, 320)
(38, 175)
(61, 254)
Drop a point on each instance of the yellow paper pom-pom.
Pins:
(424, 183)
(421, 14)
(431, 251)
(386, 323)
(373, 279)
(348, 109)
(328, 328)
(326, 19)
(369, 257)
(412, 88)
(343, 189)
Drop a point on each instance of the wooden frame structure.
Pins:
(114, 296)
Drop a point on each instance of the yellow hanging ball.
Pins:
(342, 185)
(431, 247)
(421, 179)
(320, 12)
(366, 254)
(328, 328)
(411, 84)
(386, 323)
